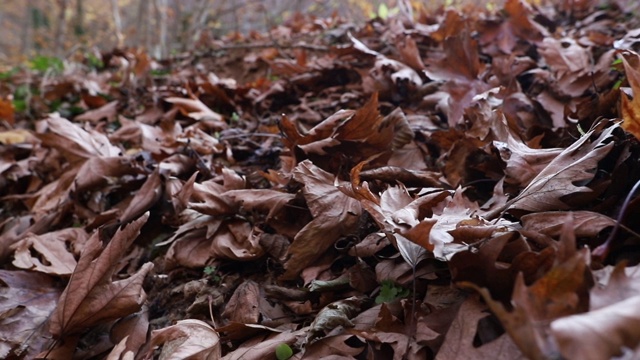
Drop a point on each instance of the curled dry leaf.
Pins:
(52, 249)
(612, 326)
(607, 330)
(336, 314)
(130, 334)
(334, 214)
(197, 110)
(188, 339)
(75, 142)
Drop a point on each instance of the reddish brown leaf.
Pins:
(630, 106)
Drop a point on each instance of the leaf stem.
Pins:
(602, 251)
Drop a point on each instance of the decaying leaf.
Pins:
(336, 314)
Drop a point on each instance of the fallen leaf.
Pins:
(188, 339)
(49, 253)
(458, 343)
(630, 106)
(574, 164)
(335, 214)
(91, 296)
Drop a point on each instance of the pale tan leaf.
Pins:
(188, 339)
(52, 248)
(607, 331)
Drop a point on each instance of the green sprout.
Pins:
(390, 291)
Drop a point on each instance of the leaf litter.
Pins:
(427, 186)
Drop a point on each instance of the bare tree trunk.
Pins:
(117, 22)
(161, 16)
(78, 20)
(142, 28)
(27, 30)
(61, 28)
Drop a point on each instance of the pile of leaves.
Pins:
(450, 185)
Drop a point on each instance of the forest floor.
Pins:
(455, 185)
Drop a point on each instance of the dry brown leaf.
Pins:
(130, 335)
(264, 347)
(459, 341)
(611, 327)
(206, 237)
(147, 196)
(7, 111)
(75, 142)
(267, 200)
(243, 305)
(108, 111)
(91, 296)
(560, 292)
(338, 313)
(586, 223)
(610, 331)
(523, 163)
(26, 301)
(197, 110)
(574, 164)
(334, 215)
(49, 253)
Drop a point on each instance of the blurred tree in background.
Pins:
(62, 28)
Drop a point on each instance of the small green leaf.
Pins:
(19, 105)
(94, 62)
(43, 63)
(617, 84)
(390, 291)
(283, 352)
(208, 270)
(8, 74)
(160, 72)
